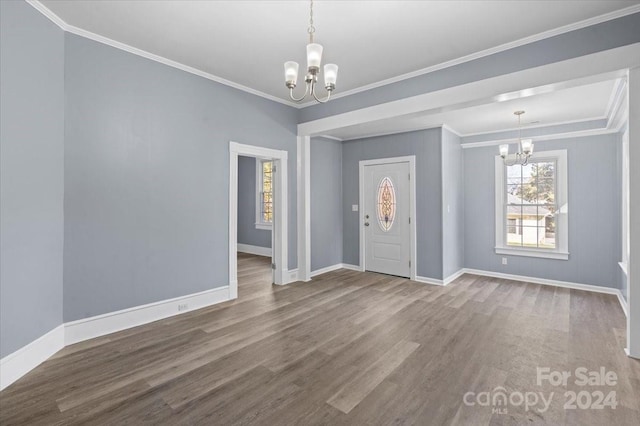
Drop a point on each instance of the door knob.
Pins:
(366, 224)
(366, 217)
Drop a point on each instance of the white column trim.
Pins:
(304, 208)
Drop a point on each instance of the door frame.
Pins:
(280, 247)
(411, 159)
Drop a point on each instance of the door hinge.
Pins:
(409, 264)
(409, 219)
(409, 176)
(273, 266)
(273, 168)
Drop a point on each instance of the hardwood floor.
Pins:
(347, 348)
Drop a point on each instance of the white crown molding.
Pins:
(148, 55)
(25, 359)
(330, 137)
(477, 55)
(554, 136)
(536, 126)
(491, 51)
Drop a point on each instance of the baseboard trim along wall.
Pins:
(25, 359)
(335, 268)
(257, 250)
(544, 281)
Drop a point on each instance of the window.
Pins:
(531, 206)
(264, 192)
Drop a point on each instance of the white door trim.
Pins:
(280, 249)
(411, 159)
(304, 208)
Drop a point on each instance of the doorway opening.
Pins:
(269, 215)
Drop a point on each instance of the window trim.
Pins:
(260, 223)
(561, 252)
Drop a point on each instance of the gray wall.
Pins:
(594, 214)
(147, 177)
(31, 175)
(326, 203)
(247, 232)
(606, 35)
(452, 204)
(426, 146)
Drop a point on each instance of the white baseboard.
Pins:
(327, 269)
(555, 283)
(25, 359)
(257, 250)
(293, 275)
(351, 267)
(88, 328)
(623, 303)
(453, 276)
(427, 280)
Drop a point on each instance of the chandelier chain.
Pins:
(311, 28)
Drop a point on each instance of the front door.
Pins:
(386, 219)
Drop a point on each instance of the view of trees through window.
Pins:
(531, 205)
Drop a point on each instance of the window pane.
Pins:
(514, 226)
(549, 240)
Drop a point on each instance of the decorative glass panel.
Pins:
(386, 204)
(267, 192)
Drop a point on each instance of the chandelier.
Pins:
(525, 149)
(314, 57)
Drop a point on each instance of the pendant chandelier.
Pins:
(314, 57)
(525, 149)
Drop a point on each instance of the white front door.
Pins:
(386, 214)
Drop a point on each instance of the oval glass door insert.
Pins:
(386, 204)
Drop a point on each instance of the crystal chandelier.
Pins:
(314, 57)
(525, 149)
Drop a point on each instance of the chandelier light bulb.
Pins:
(504, 150)
(527, 146)
(330, 75)
(314, 55)
(291, 73)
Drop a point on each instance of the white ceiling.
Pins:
(579, 103)
(247, 42)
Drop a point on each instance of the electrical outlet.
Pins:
(504, 260)
(354, 207)
(183, 307)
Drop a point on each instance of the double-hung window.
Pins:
(532, 206)
(264, 194)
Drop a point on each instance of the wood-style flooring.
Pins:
(347, 348)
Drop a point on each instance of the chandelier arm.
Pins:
(313, 93)
(304, 95)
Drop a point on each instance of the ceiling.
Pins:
(247, 42)
(586, 102)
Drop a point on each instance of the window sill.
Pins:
(264, 226)
(624, 266)
(533, 253)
